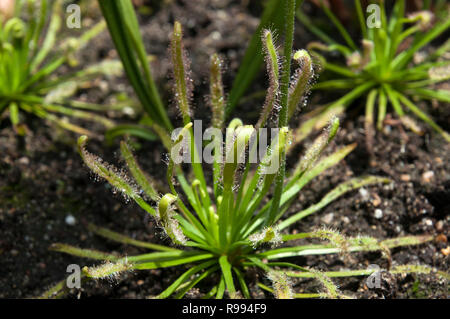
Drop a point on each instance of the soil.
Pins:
(47, 195)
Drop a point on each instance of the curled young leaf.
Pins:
(423, 19)
(272, 62)
(300, 84)
(236, 153)
(166, 216)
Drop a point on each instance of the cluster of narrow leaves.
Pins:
(30, 57)
(224, 230)
(123, 27)
(392, 66)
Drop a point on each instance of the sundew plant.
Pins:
(237, 223)
(123, 27)
(31, 56)
(390, 66)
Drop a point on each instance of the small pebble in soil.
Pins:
(405, 177)
(70, 220)
(216, 35)
(427, 176)
(441, 238)
(376, 201)
(378, 213)
(428, 222)
(440, 225)
(24, 160)
(364, 194)
(328, 218)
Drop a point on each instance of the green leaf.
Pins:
(131, 130)
(109, 234)
(14, 113)
(172, 261)
(228, 276)
(423, 116)
(50, 37)
(195, 281)
(84, 253)
(242, 283)
(185, 276)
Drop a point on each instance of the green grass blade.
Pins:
(382, 106)
(361, 18)
(221, 288)
(111, 235)
(339, 26)
(304, 19)
(419, 113)
(50, 37)
(394, 100)
(403, 58)
(194, 282)
(14, 113)
(129, 130)
(440, 95)
(228, 276)
(242, 283)
(185, 276)
(164, 262)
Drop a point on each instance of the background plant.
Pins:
(31, 57)
(234, 225)
(387, 69)
(124, 30)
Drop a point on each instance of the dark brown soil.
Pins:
(44, 184)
